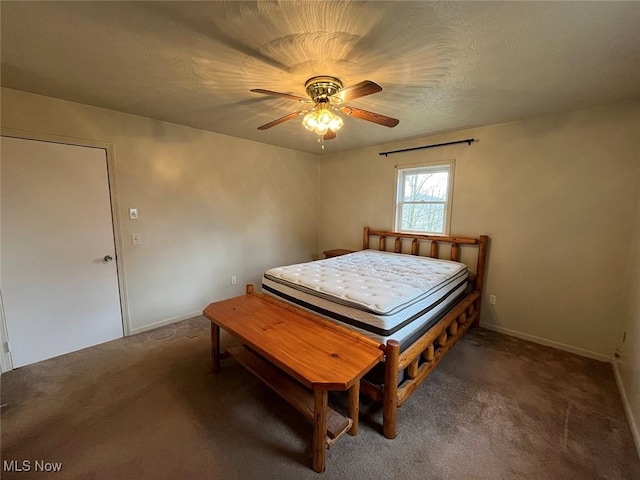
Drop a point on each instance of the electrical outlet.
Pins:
(233, 280)
(492, 299)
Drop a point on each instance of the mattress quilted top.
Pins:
(381, 282)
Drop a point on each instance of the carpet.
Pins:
(148, 407)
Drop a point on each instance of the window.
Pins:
(423, 199)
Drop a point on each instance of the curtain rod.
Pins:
(468, 141)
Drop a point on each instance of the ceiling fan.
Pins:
(327, 96)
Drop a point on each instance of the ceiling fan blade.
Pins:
(278, 94)
(280, 120)
(370, 116)
(330, 135)
(366, 87)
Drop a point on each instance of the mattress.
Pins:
(383, 295)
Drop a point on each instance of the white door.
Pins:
(58, 273)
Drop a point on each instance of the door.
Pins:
(58, 273)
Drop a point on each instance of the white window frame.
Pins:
(401, 171)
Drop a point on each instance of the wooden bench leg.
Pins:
(354, 407)
(215, 347)
(321, 401)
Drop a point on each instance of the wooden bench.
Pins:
(300, 356)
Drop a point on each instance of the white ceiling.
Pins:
(442, 66)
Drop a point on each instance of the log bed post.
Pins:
(390, 401)
(365, 239)
(480, 270)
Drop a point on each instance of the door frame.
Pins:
(6, 362)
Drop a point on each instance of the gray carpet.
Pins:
(148, 407)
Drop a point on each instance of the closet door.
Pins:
(58, 274)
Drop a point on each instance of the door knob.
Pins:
(108, 258)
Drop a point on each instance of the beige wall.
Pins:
(210, 205)
(557, 195)
(627, 365)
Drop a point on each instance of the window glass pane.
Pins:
(423, 217)
(422, 198)
(425, 187)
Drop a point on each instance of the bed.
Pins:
(408, 298)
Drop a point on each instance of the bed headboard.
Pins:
(434, 242)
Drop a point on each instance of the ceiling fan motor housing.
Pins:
(322, 87)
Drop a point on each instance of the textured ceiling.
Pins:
(442, 66)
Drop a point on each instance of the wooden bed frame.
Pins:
(420, 358)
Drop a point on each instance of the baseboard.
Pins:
(6, 364)
(635, 432)
(549, 343)
(163, 323)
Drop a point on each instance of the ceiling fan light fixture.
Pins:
(328, 96)
(320, 120)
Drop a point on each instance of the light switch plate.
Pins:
(136, 239)
(133, 213)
